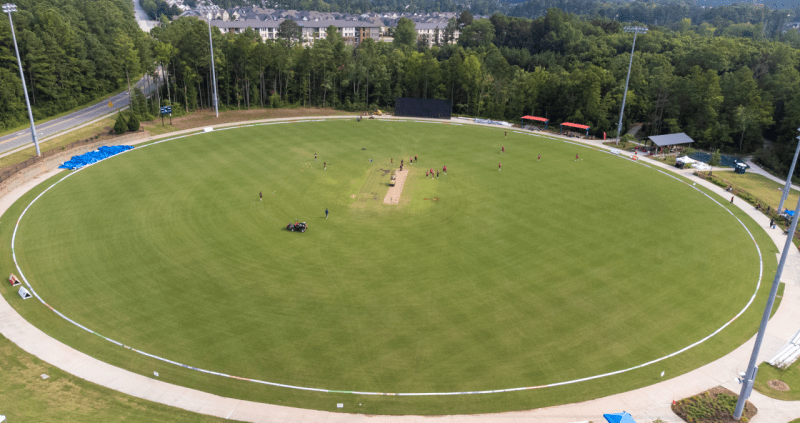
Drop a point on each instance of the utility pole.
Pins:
(752, 369)
(636, 30)
(788, 185)
(8, 8)
(213, 70)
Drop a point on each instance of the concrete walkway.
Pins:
(645, 404)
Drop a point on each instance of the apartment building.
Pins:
(353, 32)
(434, 33)
(268, 30)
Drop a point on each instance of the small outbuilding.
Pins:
(535, 118)
(670, 140)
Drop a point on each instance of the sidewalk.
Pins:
(645, 404)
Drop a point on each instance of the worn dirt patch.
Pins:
(778, 385)
(393, 196)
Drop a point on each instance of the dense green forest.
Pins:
(725, 92)
(736, 20)
(71, 53)
(157, 8)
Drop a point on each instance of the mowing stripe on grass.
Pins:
(752, 298)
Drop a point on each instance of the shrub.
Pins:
(274, 101)
(133, 123)
(715, 158)
(120, 126)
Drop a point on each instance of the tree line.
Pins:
(157, 8)
(725, 92)
(72, 53)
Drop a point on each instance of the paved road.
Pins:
(52, 127)
(141, 18)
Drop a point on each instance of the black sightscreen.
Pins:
(422, 107)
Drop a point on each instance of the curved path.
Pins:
(645, 404)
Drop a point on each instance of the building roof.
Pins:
(540, 119)
(430, 25)
(575, 125)
(247, 23)
(338, 23)
(670, 139)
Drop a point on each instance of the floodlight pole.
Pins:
(8, 8)
(635, 30)
(752, 370)
(788, 186)
(213, 70)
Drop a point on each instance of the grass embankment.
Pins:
(202, 118)
(520, 277)
(759, 187)
(26, 397)
(62, 114)
(99, 129)
(759, 191)
(196, 119)
(791, 376)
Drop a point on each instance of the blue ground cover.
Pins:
(104, 152)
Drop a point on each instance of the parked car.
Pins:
(297, 226)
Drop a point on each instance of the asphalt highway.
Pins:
(52, 127)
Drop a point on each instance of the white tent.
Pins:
(696, 164)
(686, 160)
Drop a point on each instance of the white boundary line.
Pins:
(303, 388)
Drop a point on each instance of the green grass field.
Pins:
(760, 187)
(546, 271)
(62, 397)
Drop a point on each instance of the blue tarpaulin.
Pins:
(789, 212)
(622, 417)
(104, 152)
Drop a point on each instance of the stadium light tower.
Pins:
(8, 8)
(752, 369)
(208, 14)
(636, 30)
(788, 185)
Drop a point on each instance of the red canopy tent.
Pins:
(536, 118)
(575, 125)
